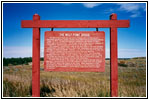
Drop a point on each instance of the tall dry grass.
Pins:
(17, 82)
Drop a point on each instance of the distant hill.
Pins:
(139, 58)
(119, 58)
(128, 58)
(18, 61)
(26, 60)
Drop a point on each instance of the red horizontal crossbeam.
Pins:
(74, 23)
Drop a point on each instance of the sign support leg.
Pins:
(36, 60)
(113, 59)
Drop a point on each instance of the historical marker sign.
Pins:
(74, 51)
(71, 55)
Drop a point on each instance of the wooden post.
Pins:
(36, 60)
(113, 59)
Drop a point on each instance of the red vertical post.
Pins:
(36, 60)
(113, 59)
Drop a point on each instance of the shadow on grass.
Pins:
(44, 90)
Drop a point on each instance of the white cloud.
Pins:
(10, 51)
(87, 5)
(128, 53)
(109, 10)
(135, 15)
(91, 5)
(133, 8)
(131, 53)
(129, 6)
(14, 51)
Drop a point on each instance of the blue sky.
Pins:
(17, 41)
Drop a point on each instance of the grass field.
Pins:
(131, 73)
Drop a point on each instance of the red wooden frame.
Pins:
(36, 24)
(75, 23)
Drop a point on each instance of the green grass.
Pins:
(132, 82)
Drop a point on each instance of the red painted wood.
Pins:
(113, 59)
(74, 69)
(36, 24)
(74, 23)
(36, 60)
(79, 57)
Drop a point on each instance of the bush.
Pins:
(131, 64)
(16, 61)
(122, 63)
